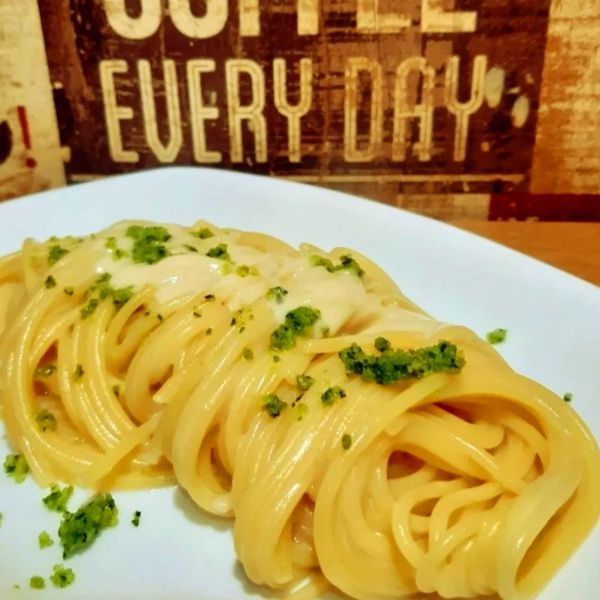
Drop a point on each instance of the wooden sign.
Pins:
(385, 97)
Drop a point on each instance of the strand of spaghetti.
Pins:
(103, 402)
(313, 588)
(40, 450)
(335, 564)
(107, 463)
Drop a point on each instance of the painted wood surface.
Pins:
(428, 104)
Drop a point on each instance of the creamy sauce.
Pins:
(173, 277)
(186, 273)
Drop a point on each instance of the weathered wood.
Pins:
(566, 155)
(30, 155)
(426, 104)
(340, 92)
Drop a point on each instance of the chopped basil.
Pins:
(203, 233)
(89, 309)
(135, 521)
(297, 323)
(44, 540)
(37, 583)
(16, 466)
(273, 405)
(330, 395)
(116, 252)
(497, 336)
(148, 243)
(78, 530)
(277, 293)
(347, 263)
(45, 420)
(62, 576)
(219, 251)
(303, 382)
(392, 365)
(78, 373)
(58, 498)
(55, 253)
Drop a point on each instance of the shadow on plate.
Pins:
(185, 505)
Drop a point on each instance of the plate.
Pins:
(178, 553)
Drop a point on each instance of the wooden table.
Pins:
(573, 247)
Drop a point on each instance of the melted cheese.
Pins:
(187, 273)
(340, 296)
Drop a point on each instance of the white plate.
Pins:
(553, 320)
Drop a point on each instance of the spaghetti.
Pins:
(359, 444)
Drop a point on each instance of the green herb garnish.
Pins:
(148, 243)
(44, 540)
(330, 395)
(50, 282)
(55, 253)
(57, 499)
(16, 466)
(347, 263)
(241, 318)
(104, 290)
(78, 373)
(497, 336)
(394, 365)
(62, 577)
(297, 323)
(346, 441)
(568, 397)
(135, 521)
(78, 530)
(37, 582)
(277, 293)
(245, 270)
(45, 420)
(121, 296)
(382, 344)
(203, 233)
(116, 252)
(303, 382)
(69, 291)
(220, 252)
(273, 405)
(247, 354)
(89, 309)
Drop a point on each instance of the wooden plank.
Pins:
(566, 156)
(572, 247)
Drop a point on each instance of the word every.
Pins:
(369, 18)
(412, 101)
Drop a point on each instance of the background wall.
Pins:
(453, 108)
